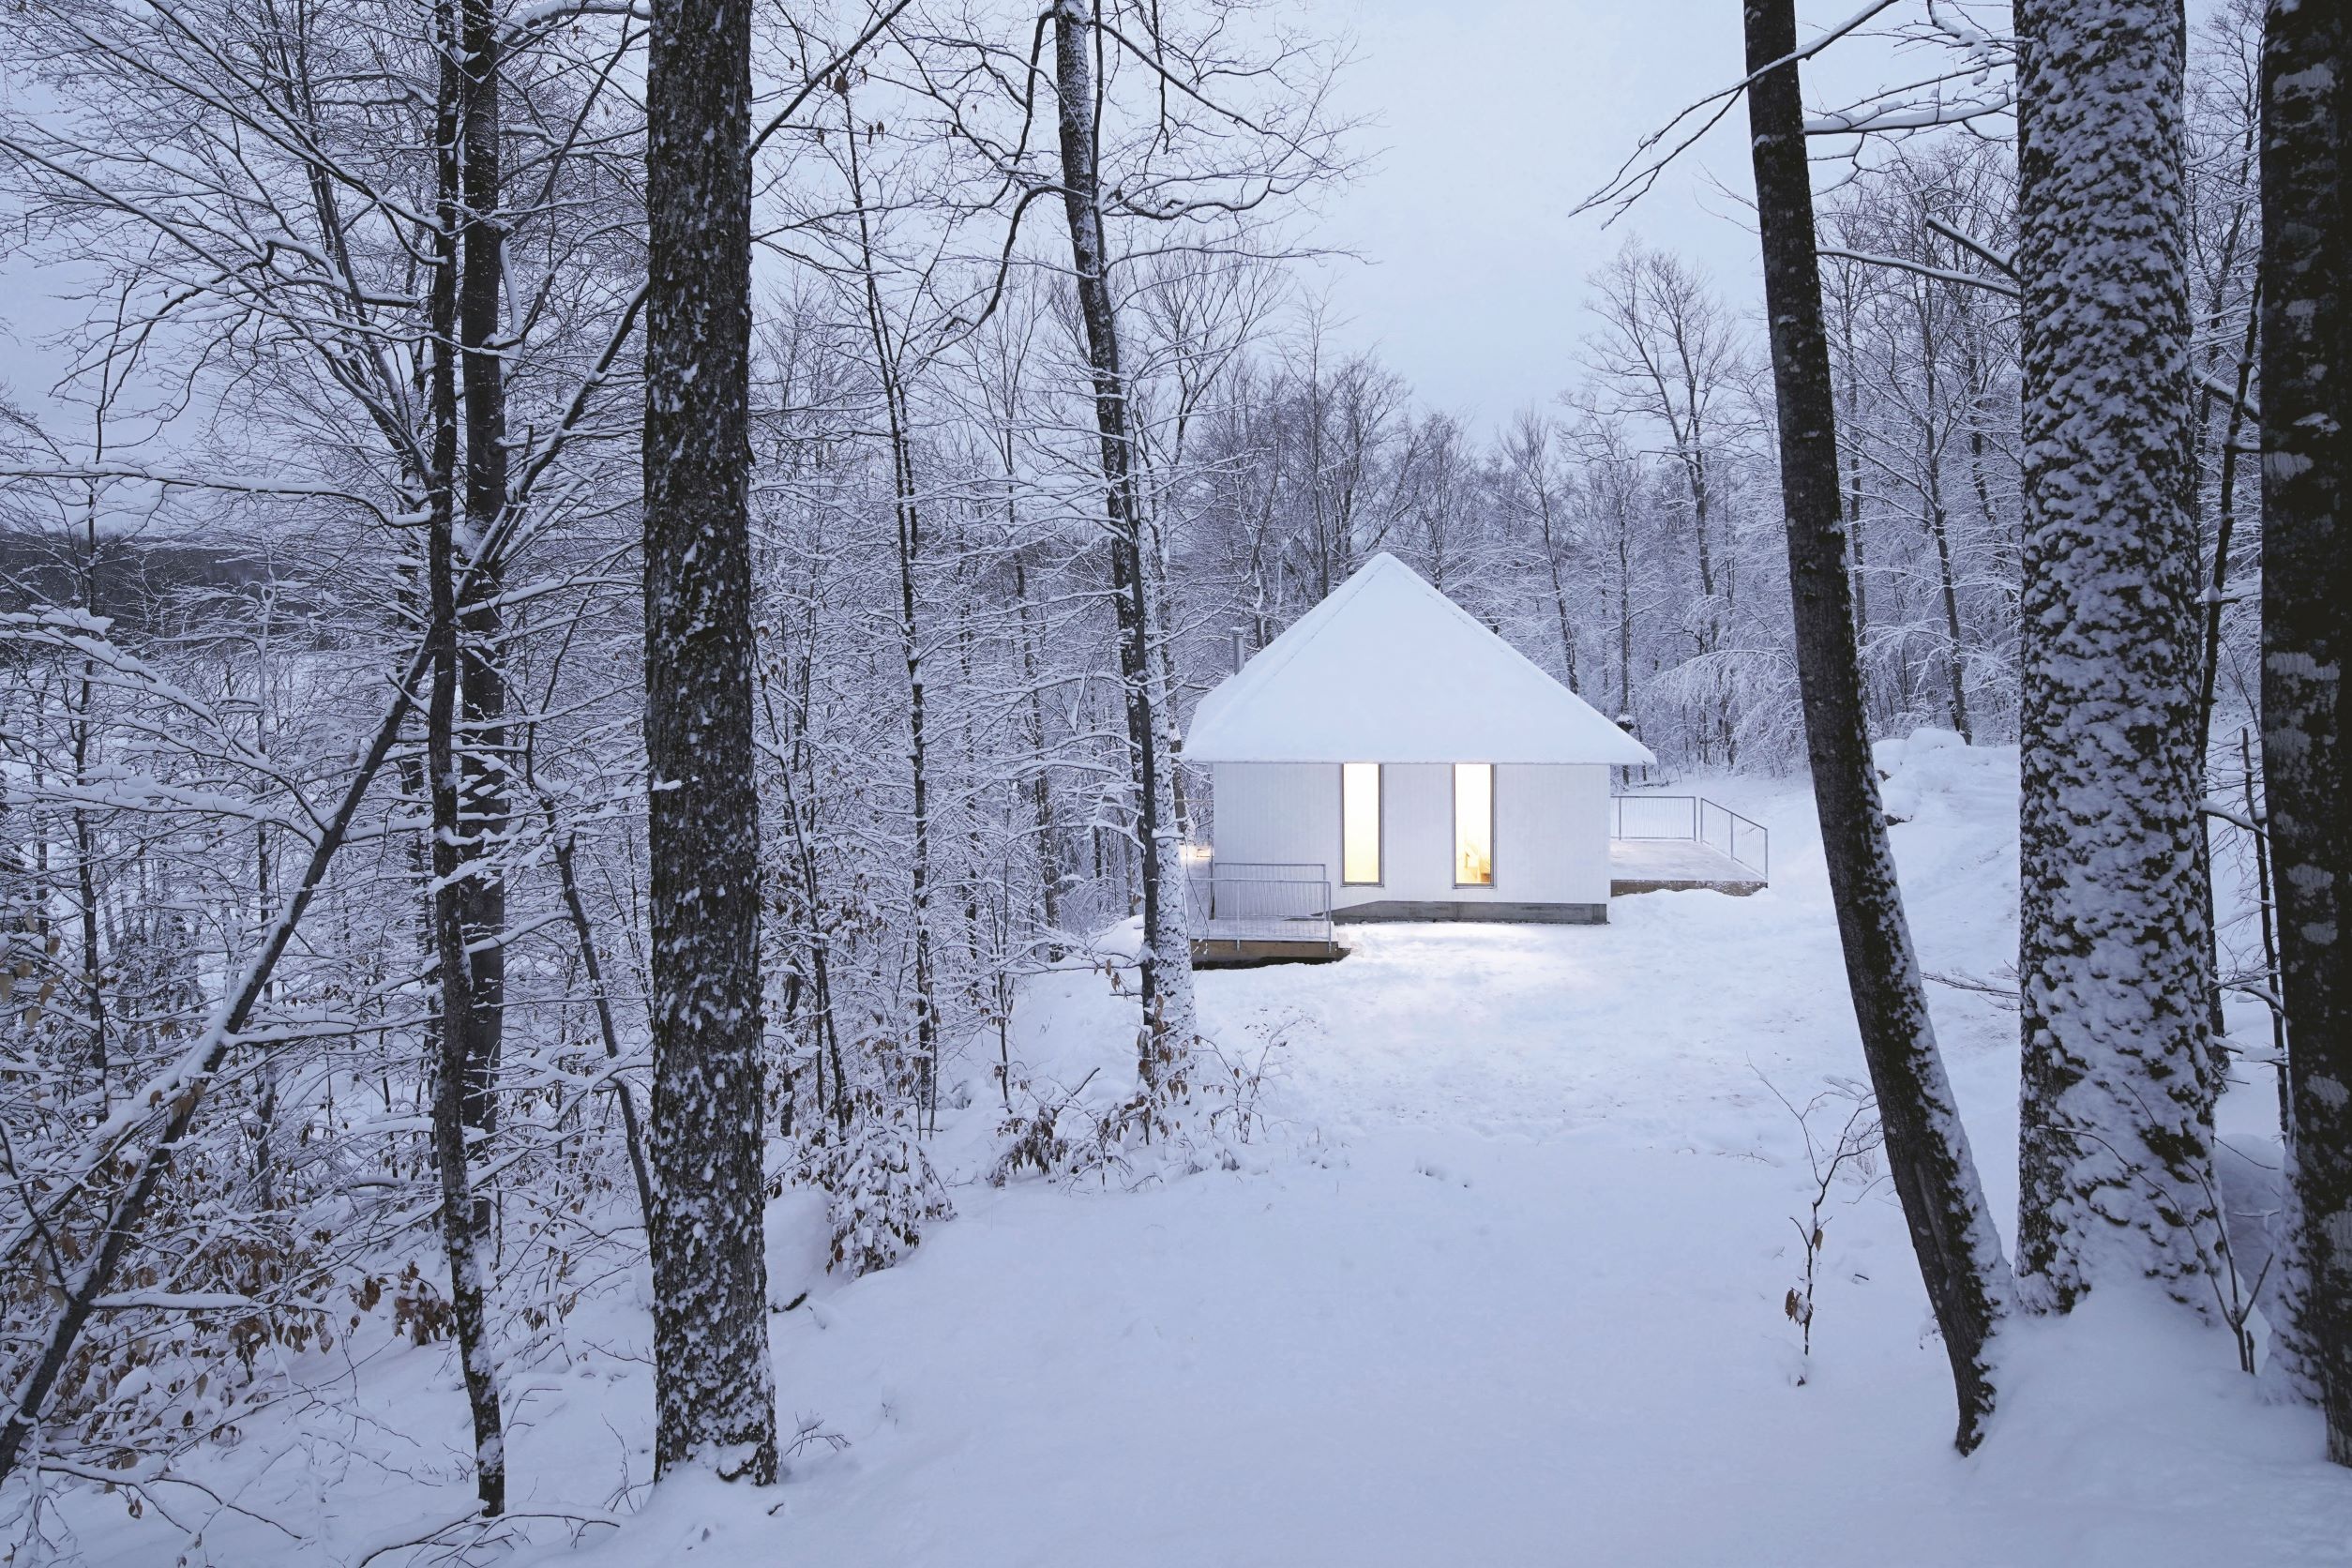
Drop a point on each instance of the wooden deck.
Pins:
(1674, 864)
(1253, 952)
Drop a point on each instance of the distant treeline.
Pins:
(135, 581)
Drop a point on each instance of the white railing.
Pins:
(1258, 900)
(1692, 819)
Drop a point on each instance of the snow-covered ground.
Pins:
(1498, 1280)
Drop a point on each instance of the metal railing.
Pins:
(1696, 820)
(1258, 900)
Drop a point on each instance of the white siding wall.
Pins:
(1561, 816)
(1278, 811)
(1551, 829)
(1419, 859)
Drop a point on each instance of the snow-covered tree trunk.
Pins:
(714, 1394)
(2306, 633)
(1927, 1149)
(1170, 1026)
(2116, 1157)
(482, 680)
(459, 1091)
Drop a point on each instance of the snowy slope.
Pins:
(1500, 1283)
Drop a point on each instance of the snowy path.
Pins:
(1524, 1305)
(1503, 1287)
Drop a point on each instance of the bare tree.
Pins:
(1170, 1027)
(1528, 450)
(1668, 355)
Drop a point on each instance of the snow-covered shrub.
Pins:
(880, 1190)
(1057, 1135)
(1234, 1083)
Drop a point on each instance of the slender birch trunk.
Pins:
(907, 519)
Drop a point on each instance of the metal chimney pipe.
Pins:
(1241, 648)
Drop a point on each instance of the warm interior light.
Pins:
(1474, 825)
(1359, 821)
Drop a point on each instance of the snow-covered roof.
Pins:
(1388, 670)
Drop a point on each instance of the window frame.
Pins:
(1454, 828)
(1380, 824)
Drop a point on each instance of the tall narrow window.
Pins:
(1359, 823)
(1473, 824)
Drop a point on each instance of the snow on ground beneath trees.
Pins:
(1498, 1281)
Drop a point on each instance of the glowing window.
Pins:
(1473, 824)
(1359, 821)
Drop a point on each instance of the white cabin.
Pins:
(1430, 769)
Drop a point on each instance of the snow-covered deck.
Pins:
(1246, 914)
(1667, 865)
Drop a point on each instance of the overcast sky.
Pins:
(1487, 120)
(1495, 118)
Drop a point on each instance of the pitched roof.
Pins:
(1388, 670)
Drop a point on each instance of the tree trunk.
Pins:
(906, 514)
(1167, 959)
(1956, 662)
(84, 839)
(1050, 858)
(2209, 676)
(713, 1394)
(1553, 549)
(600, 996)
(1624, 620)
(1854, 503)
(2306, 635)
(482, 682)
(457, 1062)
(2115, 1155)
(1927, 1149)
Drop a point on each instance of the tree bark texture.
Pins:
(2115, 1156)
(1927, 1149)
(2306, 630)
(713, 1394)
